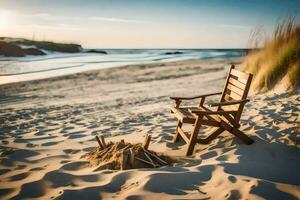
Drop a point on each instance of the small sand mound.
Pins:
(121, 156)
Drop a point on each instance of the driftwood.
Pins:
(147, 141)
(103, 141)
(152, 163)
(144, 161)
(99, 142)
(122, 156)
(124, 160)
(131, 157)
(158, 158)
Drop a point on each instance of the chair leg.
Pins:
(242, 136)
(176, 136)
(237, 132)
(193, 139)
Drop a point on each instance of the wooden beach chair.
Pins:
(225, 118)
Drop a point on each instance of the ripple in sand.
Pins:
(4, 171)
(37, 169)
(32, 190)
(19, 176)
(49, 143)
(71, 151)
(5, 191)
(76, 136)
(75, 165)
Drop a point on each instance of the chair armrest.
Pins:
(228, 103)
(198, 111)
(195, 97)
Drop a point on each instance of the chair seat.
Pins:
(185, 116)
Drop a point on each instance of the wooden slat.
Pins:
(212, 118)
(247, 87)
(235, 89)
(210, 123)
(183, 115)
(231, 107)
(183, 135)
(235, 96)
(231, 96)
(227, 97)
(239, 74)
(240, 79)
(229, 92)
(237, 83)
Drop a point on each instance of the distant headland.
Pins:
(20, 47)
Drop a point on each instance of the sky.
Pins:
(143, 23)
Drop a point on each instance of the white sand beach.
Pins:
(47, 125)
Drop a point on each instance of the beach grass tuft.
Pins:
(278, 60)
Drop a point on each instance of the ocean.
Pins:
(16, 69)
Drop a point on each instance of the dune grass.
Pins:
(278, 61)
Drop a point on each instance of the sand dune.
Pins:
(47, 125)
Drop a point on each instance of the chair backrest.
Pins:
(236, 88)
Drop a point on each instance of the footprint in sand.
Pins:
(234, 194)
(232, 179)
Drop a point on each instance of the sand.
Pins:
(47, 125)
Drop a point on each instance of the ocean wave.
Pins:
(78, 62)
